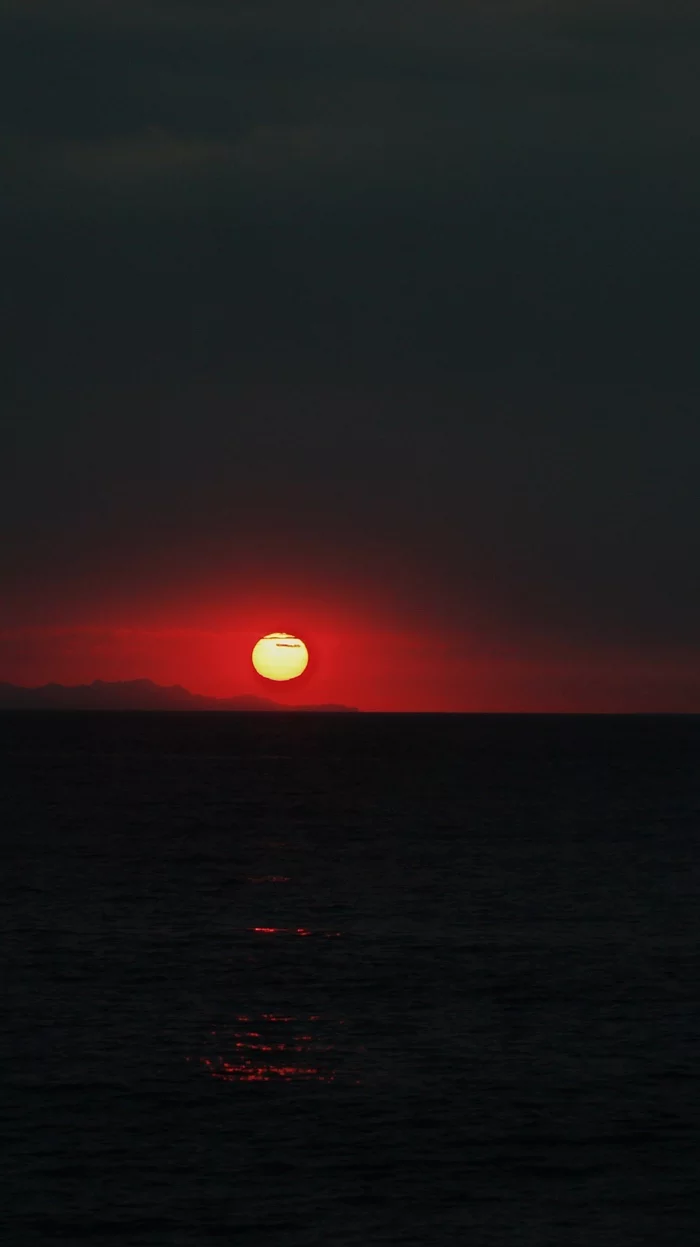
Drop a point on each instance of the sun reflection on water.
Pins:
(303, 931)
(273, 1047)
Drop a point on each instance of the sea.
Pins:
(345, 980)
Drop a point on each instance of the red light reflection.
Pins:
(245, 1071)
(302, 931)
(281, 1048)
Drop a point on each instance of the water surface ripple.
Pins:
(350, 980)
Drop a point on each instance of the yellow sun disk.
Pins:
(280, 656)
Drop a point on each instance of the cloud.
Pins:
(286, 96)
(131, 159)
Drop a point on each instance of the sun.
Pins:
(280, 656)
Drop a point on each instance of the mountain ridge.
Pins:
(141, 694)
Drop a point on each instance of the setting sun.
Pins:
(280, 656)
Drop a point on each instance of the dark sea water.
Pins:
(326, 980)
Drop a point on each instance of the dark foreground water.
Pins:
(350, 980)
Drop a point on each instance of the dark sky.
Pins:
(374, 320)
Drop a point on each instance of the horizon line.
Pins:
(269, 705)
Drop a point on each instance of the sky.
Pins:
(377, 323)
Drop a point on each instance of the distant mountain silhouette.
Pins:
(134, 695)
